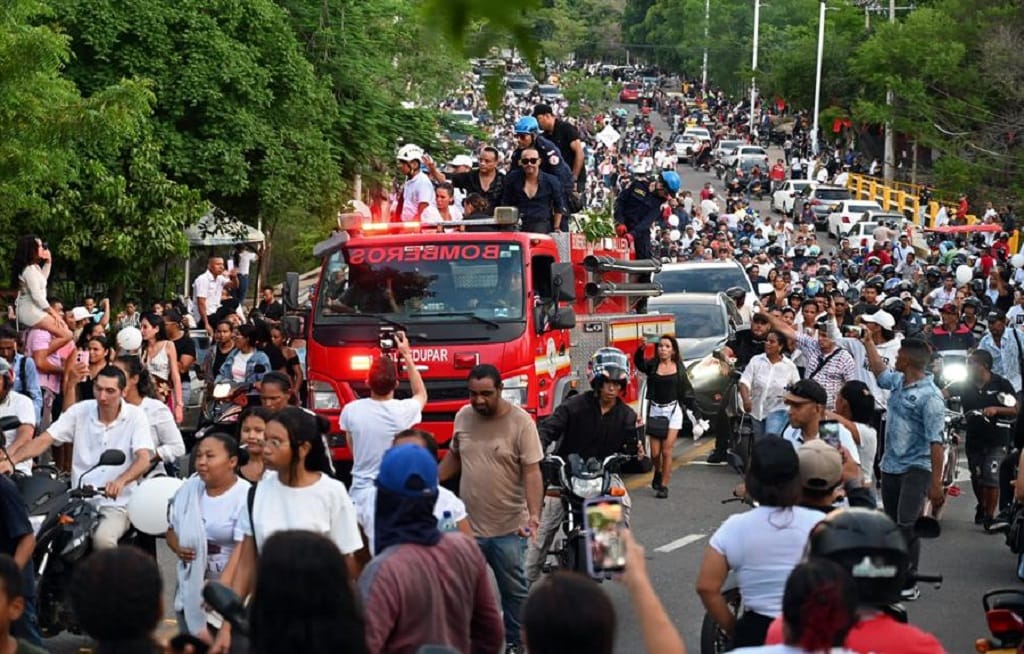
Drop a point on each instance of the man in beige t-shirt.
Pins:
(498, 450)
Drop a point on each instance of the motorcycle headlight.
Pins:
(587, 488)
(709, 367)
(954, 372)
(514, 389)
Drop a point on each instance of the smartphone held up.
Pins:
(605, 519)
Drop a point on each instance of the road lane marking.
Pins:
(683, 459)
(679, 543)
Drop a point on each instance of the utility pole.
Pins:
(817, 82)
(753, 65)
(887, 159)
(707, 32)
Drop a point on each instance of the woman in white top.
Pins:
(761, 546)
(819, 607)
(855, 409)
(444, 211)
(298, 491)
(161, 361)
(763, 385)
(139, 391)
(30, 271)
(206, 525)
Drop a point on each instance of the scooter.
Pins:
(1004, 614)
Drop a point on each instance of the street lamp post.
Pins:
(707, 32)
(753, 65)
(817, 80)
(887, 158)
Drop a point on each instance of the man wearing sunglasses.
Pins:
(528, 135)
(536, 194)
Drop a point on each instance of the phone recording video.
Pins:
(606, 548)
(828, 431)
(83, 357)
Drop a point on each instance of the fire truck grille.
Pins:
(438, 390)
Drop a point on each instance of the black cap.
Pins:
(806, 390)
(994, 316)
(542, 110)
(774, 460)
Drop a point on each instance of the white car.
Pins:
(862, 235)
(724, 146)
(685, 146)
(847, 212)
(748, 155)
(701, 133)
(784, 197)
(885, 217)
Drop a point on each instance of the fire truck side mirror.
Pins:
(563, 282)
(290, 291)
(564, 318)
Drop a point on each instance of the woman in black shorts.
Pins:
(668, 391)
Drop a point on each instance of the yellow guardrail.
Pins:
(905, 198)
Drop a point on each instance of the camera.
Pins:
(854, 331)
(386, 339)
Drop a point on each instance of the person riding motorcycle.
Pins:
(871, 547)
(594, 424)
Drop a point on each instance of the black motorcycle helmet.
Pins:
(608, 364)
(894, 306)
(869, 545)
(958, 260)
(907, 286)
(977, 286)
(852, 270)
(852, 295)
(888, 270)
(877, 282)
(974, 302)
(932, 271)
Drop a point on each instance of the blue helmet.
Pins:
(527, 125)
(671, 179)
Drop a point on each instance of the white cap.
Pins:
(129, 339)
(883, 319)
(462, 160)
(79, 313)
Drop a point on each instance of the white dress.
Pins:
(31, 304)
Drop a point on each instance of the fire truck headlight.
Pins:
(514, 389)
(324, 397)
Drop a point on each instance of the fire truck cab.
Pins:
(535, 306)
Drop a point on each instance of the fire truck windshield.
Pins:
(425, 282)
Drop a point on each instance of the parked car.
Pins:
(724, 146)
(630, 92)
(821, 199)
(518, 86)
(785, 195)
(846, 212)
(862, 234)
(747, 156)
(887, 217)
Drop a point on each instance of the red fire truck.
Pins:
(535, 306)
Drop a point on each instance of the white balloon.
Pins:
(1017, 261)
(964, 274)
(673, 220)
(148, 506)
(674, 234)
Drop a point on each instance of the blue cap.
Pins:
(408, 470)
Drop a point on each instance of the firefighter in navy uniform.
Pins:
(636, 210)
(528, 135)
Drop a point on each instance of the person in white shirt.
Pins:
(881, 324)
(447, 504)
(245, 257)
(761, 546)
(1015, 316)
(370, 423)
(806, 401)
(208, 288)
(417, 191)
(20, 408)
(298, 492)
(94, 426)
(763, 386)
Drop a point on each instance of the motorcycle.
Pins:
(577, 481)
(1004, 615)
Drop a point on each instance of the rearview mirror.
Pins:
(8, 423)
(112, 458)
(290, 291)
(564, 318)
(563, 282)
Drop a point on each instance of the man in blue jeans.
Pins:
(496, 447)
(912, 462)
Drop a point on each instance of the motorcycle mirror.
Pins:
(221, 391)
(927, 527)
(8, 423)
(226, 602)
(1006, 399)
(112, 458)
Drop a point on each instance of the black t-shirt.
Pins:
(14, 525)
(562, 135)
(277, 360)
(470, 183)
(218, 360)
(981, 433)
(584, 430)
(745, 347)
(185, 345)
(272, 310)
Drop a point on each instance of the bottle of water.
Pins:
(447, 522)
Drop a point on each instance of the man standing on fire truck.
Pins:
(636, 210)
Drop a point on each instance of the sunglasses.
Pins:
(531, 161)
